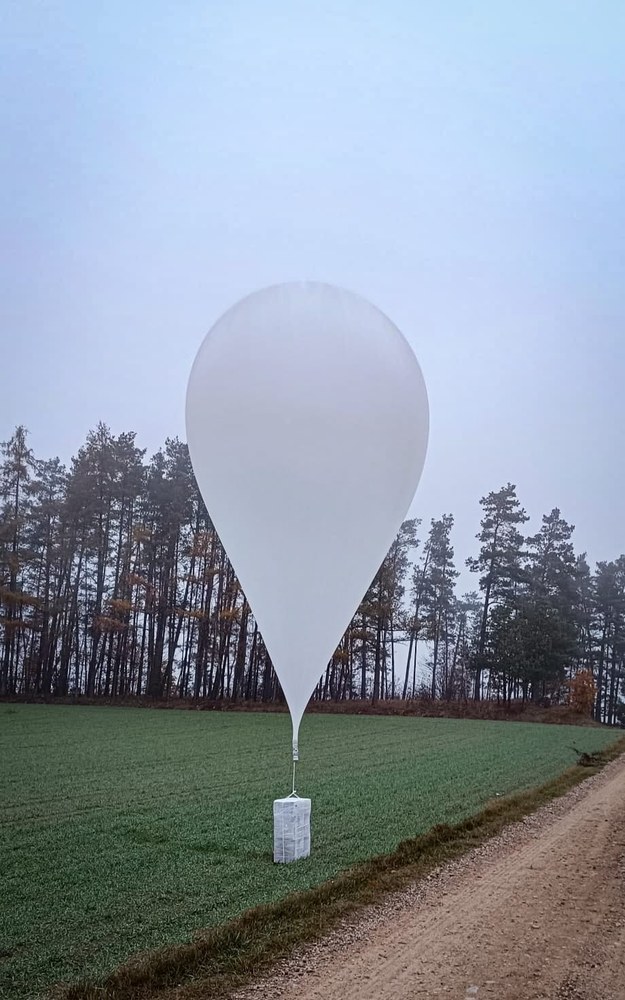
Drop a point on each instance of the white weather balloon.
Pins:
(307, 423)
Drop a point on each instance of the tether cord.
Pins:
(295, 759)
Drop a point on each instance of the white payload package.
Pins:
(291, 828)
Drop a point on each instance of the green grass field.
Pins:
(124, 829)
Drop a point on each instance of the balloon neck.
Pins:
(295, 746)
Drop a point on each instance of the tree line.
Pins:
(113, 583)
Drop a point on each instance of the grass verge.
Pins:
(227, 957)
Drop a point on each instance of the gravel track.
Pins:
(536, 912)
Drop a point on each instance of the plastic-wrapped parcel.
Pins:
(291, 828)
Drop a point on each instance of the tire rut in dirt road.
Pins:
(535, 913)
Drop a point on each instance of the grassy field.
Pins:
(124, 829)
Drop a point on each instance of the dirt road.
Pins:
(537, 912)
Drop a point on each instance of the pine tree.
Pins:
(552, 579)
(499, 561)
(609, 631)
(438, 599)
(15, 475)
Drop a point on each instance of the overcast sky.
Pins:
(460, 164)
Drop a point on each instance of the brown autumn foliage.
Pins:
(583, 692)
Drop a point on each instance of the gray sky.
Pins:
(461, 165)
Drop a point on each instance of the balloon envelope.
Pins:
(307, 424)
